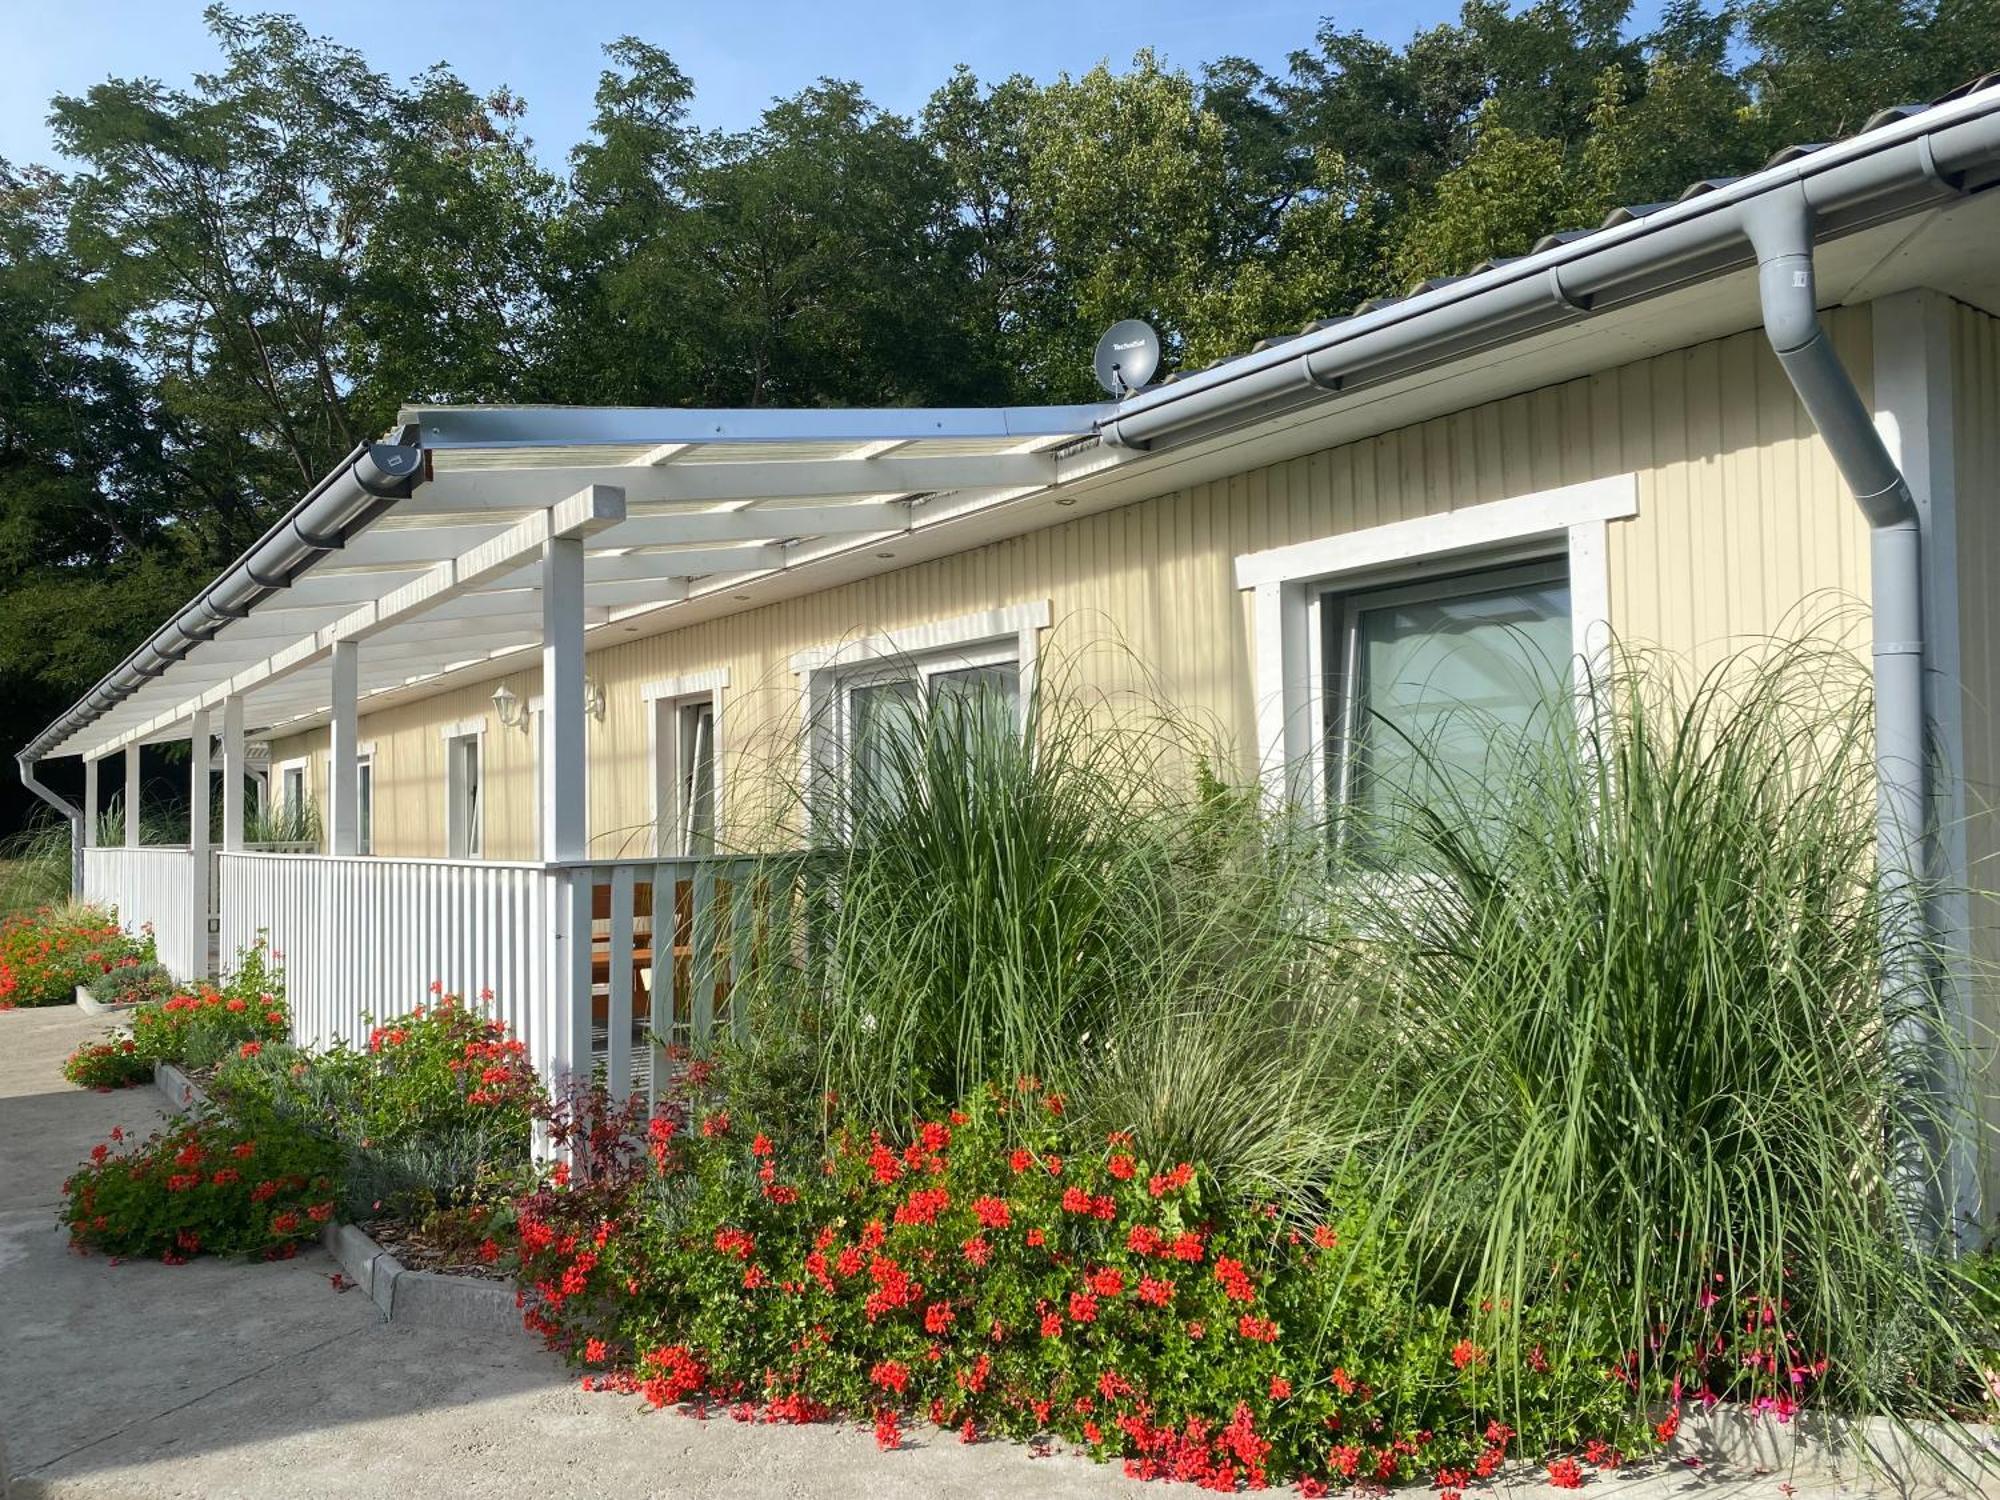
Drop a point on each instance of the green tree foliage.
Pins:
(239, 279)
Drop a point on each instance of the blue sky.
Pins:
(740, 54)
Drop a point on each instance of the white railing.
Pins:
(151, 885)
(368, 936)
(360, 936)
(668, 940)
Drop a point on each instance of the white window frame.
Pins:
(474, 833)
(666, 701)
(828, 674)
(281, 775)
(364, 807)
(1289, 583)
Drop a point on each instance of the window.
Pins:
(880, 712)
(686, 728)
(1361, 639)
(364, 805)
(292, 788)
(465, 797)
(862, 697)
(695, 776)
(1440, 682)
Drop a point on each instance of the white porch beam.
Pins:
(132, 828)
(585, 513)
(756, 523)
(647, 566)
(233, 768)
(705, 483)
(198, 778)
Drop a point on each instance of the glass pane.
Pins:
(974, 698)
(1447, 688)
(698, 779)
(882, 716)
(998, 684)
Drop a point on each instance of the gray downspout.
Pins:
(1780, 229)
(72, 813)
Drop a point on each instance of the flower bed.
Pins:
(424, 1134)
(202, 1026)
(997, 1274)
(114, 1064)
(431, 1119)
(46, 953)
(134, 982)
(207, 1185)
(195, 1028)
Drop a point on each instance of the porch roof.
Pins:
(673, 505)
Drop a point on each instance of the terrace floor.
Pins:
(142, 1381)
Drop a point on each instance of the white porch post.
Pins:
(198, 769)
(232, 773)
(563, 810)
(132, 796)
(343, 816)
(89, 803)
(565, 835)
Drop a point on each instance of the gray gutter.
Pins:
(370, 478)
(1923, 160)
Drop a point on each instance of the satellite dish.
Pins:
(1127, 356)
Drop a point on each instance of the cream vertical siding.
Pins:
(1742, 524)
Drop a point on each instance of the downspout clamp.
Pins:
(1780, 229)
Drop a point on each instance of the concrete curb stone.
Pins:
(90, 1005)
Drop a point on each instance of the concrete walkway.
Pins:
(142, 1381)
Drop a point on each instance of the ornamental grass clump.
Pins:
(1076, 899)
(1624, 1026)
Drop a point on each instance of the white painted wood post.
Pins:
(344, 791)
(232, 774)
(132, 796)
(89, 803)
(564, 836)
(198, 794)
(563, 833)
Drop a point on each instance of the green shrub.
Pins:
(134, 982)
(202, 1026)
(115, 1063)
(204, 1186)
(46, 953)
(433, 1115)
(199, 1028)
